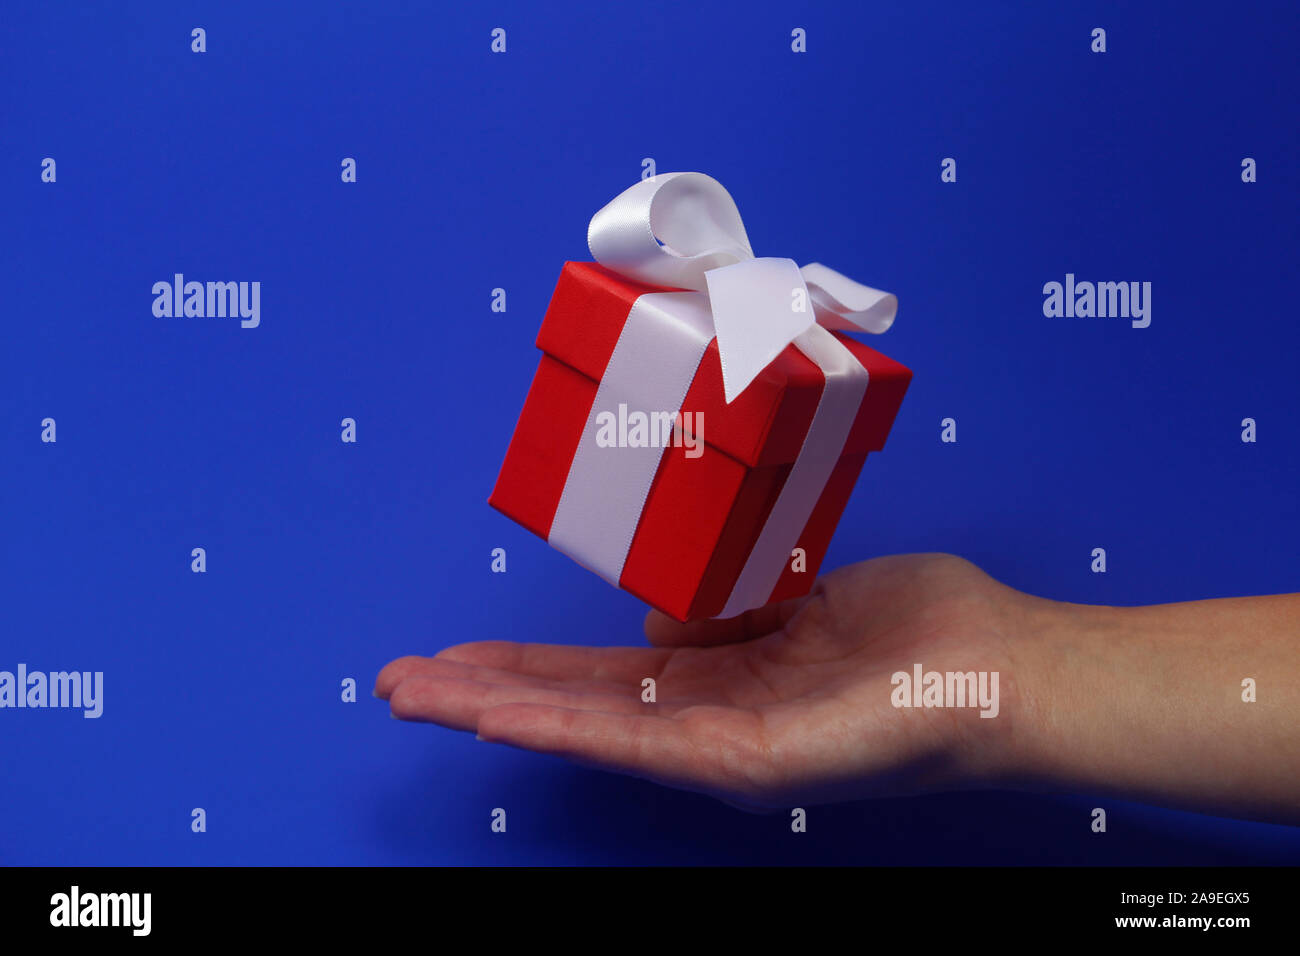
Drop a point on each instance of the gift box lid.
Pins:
(767, 422)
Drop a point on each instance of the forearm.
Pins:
(1147, 703)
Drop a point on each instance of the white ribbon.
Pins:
(654, 360)
(683, 230)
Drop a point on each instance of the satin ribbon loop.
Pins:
(669, 231)
(847, 306)
(684, 231)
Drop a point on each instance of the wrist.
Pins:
(1059, 680)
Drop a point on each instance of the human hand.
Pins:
(783, 706)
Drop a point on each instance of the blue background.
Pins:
(326, 560)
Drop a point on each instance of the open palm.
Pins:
(782, 706)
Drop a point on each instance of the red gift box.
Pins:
(702, 515)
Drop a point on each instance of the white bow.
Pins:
(683, 230)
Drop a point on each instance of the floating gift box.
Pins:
(698, 419)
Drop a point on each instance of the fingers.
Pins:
(643, 745)
(622, 665)
(562, 661)
(394, 672)
(662, 631)
(459, 703)
(600, 723)
(449, 691)
(392, 676)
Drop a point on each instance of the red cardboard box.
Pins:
(703, 514)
